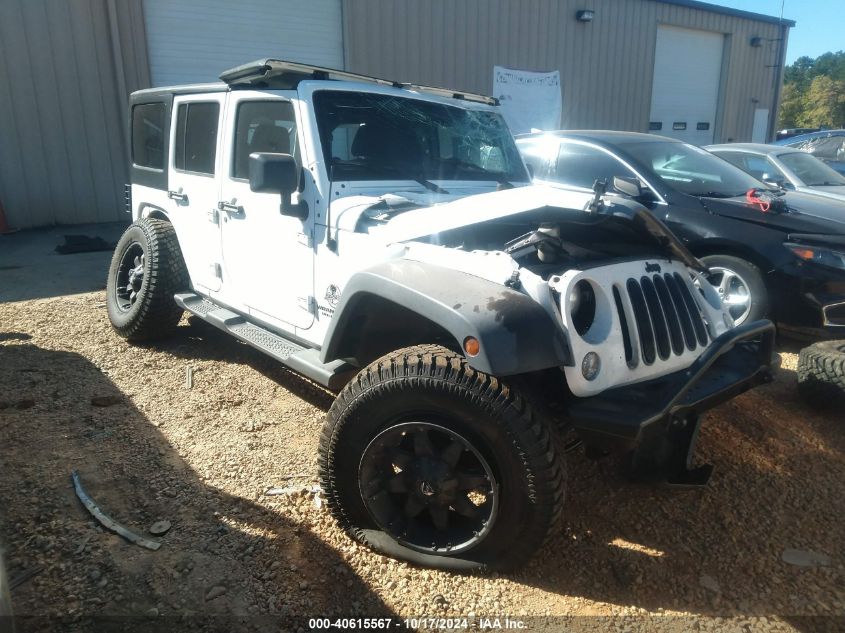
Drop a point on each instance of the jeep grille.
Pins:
(668, 319)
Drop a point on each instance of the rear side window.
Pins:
(581, 166)
(263, 126)
(195, 148)
(148, 128)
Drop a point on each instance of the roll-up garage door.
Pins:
(193, 41)
(685, 92)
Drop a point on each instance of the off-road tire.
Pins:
(430, 380)
(760, 306)
(154, 314)
(821, 372)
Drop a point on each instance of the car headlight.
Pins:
(818, 255)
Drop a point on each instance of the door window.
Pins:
(196, 137)
(581, 165)
(263, 126)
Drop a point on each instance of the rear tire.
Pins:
(821, 372)
(387, 492)
(740, 279)
(146, 270)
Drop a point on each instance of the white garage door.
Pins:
(193, 41)
(685, 92)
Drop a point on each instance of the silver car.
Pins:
(785, 167)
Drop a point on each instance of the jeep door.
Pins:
(268, 257)
(193, 189)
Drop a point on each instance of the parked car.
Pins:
(826, 145)
(784, 167)
(384, 240)
(794, 131)
(788, 262)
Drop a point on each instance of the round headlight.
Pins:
(591, 365)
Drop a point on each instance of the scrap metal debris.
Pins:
(25, 575)
(105, 401)
(107, 521)
(189, 377)
(83, 244)
(294, 490)
(159, 528)
(81, 547)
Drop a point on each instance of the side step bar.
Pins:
(303, 360)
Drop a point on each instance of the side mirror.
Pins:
(277, 173)
(774, 179)
(633, 188)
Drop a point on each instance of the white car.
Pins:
(784, 167)
(384, 241)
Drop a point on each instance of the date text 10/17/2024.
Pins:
(433, 624)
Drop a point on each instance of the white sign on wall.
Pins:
(529, 100)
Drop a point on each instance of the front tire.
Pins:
(740, 286)
(426, 460)
(146, 270)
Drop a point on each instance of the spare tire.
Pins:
(821, 371)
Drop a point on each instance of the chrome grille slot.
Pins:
(658, 319)
(644, 328)
(694, 311)
(667, 318)
(626, 331)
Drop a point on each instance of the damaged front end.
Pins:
(649, 346)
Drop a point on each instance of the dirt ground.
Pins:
(203, 457)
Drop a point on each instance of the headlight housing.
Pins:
(818, 255)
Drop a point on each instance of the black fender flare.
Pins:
(516, 334)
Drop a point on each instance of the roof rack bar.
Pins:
(276, 73)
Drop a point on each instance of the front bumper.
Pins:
(809, 299)
(658, 419)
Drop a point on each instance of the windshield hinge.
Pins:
(305, 239)
(309, 304)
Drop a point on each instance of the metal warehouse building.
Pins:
(676, 67)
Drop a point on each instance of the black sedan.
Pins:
(769, 253)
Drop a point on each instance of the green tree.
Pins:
(791, 105)
(813, 90)
(824, 104)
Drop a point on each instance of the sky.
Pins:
(819, 23)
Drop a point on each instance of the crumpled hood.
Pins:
(479, 208)
(541, 203)
(807, 213)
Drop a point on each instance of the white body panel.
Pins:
(194, 215)
(268, 259)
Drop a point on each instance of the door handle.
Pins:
(178, 196)
(231, 208)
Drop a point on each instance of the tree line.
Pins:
(814, 92)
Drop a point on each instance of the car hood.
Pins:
(541, 203)
(835, 192)
(807, 213)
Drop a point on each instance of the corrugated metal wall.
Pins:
(606, 65)
(66, 68)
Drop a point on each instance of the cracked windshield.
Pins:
(383, 137)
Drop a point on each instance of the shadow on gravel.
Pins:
(715, 551)
(778, 485)
(201, 341)
(226, 563)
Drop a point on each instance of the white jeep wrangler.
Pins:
(384, 240)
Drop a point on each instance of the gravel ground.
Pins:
(202, 457)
